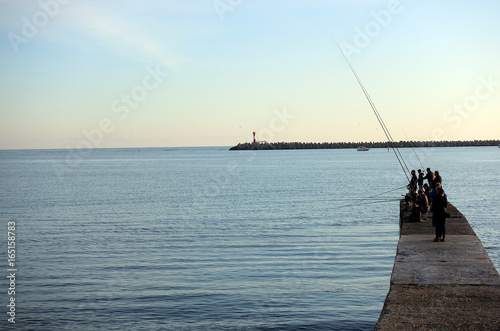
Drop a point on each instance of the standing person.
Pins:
(439, 214)
(420, 180)
(413, 182)
(420, 207)
(432, 196)
(430, 177)
(434, 191)
(437, 178)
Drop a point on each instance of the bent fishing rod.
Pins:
(399, 157)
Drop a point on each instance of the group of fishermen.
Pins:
(429, 196)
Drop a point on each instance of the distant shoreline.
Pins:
(349, 145)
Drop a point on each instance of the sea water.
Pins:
(211, 239)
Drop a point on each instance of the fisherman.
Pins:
(430, 177)
(421, 207)
(413, 182)
(420, 179)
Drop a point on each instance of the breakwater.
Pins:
(451, 285)
(339, 145)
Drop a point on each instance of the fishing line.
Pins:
(356, 198)
(358, 201)
(414, 152)
(398, 188)
(367, 203)
(388, 135)
(376, 197)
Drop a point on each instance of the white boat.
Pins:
(362, 149)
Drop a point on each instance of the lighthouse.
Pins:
(254, 138)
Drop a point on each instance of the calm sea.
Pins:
(211, 239)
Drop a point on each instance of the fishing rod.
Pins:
(388, 135)
(415, 152)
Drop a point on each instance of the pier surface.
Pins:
(451, 285)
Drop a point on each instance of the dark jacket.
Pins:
(437, 179)
(421, 179)
(430, 178)
(413, 183)
(439, 205)
(423, 203)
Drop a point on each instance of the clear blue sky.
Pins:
(210, 72)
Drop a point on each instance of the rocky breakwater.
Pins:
(338, 145)
(451, 285)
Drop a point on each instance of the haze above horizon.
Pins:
(209, 73)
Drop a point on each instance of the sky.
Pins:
(100, 74)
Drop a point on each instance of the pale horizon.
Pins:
(85, 149)
(123, 74)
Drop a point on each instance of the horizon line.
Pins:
(250, 142)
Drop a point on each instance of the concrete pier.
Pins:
(450, 285)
